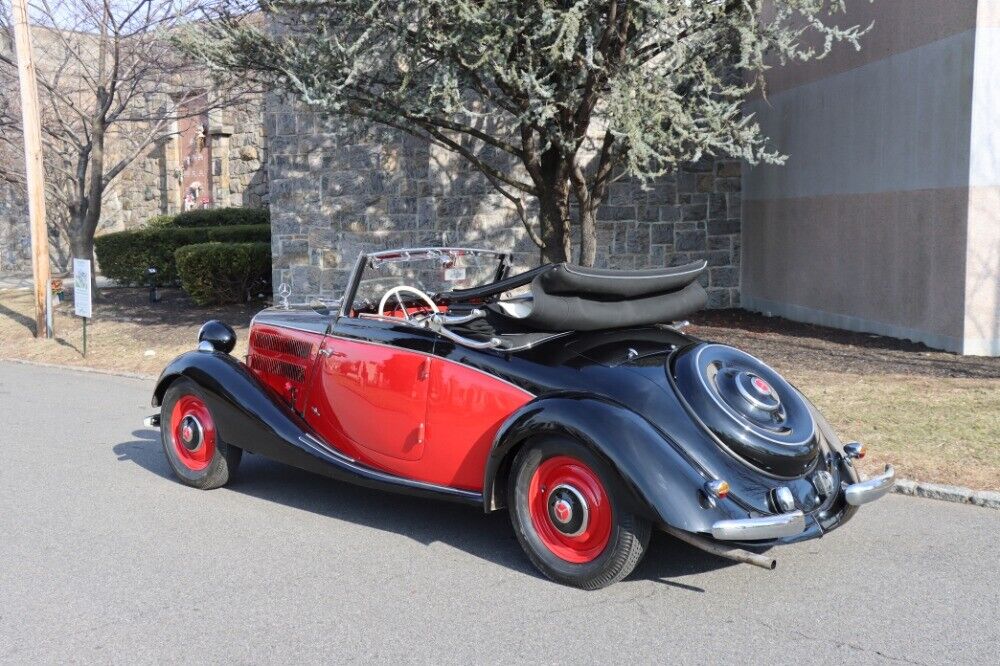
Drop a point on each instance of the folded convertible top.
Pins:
(573, 298)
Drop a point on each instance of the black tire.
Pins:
(225, 459)
(629, 533)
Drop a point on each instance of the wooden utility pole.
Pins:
(31, 123)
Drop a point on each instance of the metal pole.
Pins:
(34, 172)
(84, 337)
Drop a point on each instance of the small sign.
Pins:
(81, 287)
(456, 274)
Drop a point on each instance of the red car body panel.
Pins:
(369, 401)
(404, 412)
(284, 359)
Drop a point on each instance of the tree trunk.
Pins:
(82, 242)
(553, 203)
(588, 236)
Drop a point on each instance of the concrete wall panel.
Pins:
(901, 123)
(888, 263)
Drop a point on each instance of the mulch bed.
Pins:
(806, 347)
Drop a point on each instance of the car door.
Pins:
(369, 396)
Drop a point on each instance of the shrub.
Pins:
(222, 217)
(124, 256)
(224, 272)
(159, 221)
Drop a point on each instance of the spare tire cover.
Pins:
(749, 407)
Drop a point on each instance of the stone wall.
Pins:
(334, 193)
(150, 186)
(15, 235)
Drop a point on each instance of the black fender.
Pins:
(660, 482)
(249, 415)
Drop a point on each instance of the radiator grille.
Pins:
(280, 344)
(272, 366)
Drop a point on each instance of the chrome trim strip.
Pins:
(863, 492)
(754, 529)
(326, 450)
(429, 250)
(317, 444)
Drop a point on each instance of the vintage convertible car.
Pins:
(566, 394)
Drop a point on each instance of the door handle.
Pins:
(330, 352)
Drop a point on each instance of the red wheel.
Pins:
(191, 440)
(193, 432)
(570, 509)
(571, 516)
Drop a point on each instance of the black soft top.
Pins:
(565, 297)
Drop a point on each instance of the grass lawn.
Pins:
(934, 415)
(930, 428)
(126, 333)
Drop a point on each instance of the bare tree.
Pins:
(111, 87)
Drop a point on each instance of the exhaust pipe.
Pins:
(735, 554)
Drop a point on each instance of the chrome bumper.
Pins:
(857, 494)
(753, 529)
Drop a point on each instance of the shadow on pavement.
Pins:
(487, 536)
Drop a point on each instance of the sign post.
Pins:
(81, 294)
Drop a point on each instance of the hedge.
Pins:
(218, 217)
(224, 272)
(125, 256)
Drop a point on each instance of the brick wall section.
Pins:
(334, 193)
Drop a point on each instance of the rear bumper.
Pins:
(793, 524)
(754, 529)
(863, 492)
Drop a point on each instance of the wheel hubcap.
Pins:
(570, 509)
(193, 432)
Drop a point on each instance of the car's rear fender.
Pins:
(657, 480)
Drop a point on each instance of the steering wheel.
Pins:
(395, 291)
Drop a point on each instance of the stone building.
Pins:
(15, 239)
(209, 159)
(333, 194)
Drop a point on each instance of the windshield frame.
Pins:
(366, 259)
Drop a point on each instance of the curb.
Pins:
(985, 498)
(80, 368)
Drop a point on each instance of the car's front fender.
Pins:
(659, 481)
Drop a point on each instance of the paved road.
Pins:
(103, 557)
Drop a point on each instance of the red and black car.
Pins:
(567, 395)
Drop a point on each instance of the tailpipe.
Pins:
(728, 552)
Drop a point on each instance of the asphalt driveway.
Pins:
(105, 558)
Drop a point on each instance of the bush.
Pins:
(159, 221)
(222, 217)
(224, 272)
(124, 256)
